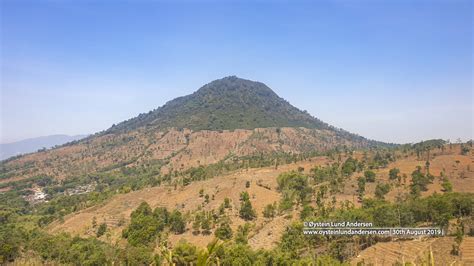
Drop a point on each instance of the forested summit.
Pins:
(227, 103)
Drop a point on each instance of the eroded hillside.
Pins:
(169, 150)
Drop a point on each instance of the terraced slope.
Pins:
(116, 212)
(389, 253)
(269, 234)
(467, 251)
(416, 251)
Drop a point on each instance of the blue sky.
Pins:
(395, 71)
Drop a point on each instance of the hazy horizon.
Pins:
(46, 136)
(395, 71)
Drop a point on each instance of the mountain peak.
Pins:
(227, 103)
(236, 83)
(232, 78)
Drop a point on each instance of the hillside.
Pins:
(263, 190)
(170, 150)
(226, 119)
(115, 216)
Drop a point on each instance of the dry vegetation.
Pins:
(263, 191)
(179, 150)
(173, 149)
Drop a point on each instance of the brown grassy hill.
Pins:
(187, 199)
(262, 191)
(417, 251)
(459, 169)
(172, 150)
(410, 251)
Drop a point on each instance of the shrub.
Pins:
(381, 190)
(224, 231)
(177, 222)
(102, 229)
(369, 176)
(269, 211)
(447, 186)
(246, 210)
(394, 173)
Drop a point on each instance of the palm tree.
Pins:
(166, 253)
(209, 256)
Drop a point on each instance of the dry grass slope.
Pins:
(116, 211)
(176, 149)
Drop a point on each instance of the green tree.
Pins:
(241, 237)
(11, 239)
(394, 174)
(246, 210)
(369, 176)
(102, 229)
(161, 214)
(419, 181)
(361, 187)
(137, 255)
(184, 254)
(206, 225)
(349, 166)
(197, 224)
(244, 196)
(238, 255)
(306, 212)
(381, 190)
(177, 222)
(224, 231)
(295, 182)
(292, 240)
(143, 227)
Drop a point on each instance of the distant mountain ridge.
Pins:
(8, 150)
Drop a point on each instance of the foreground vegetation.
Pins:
(310, 194)
(146, 236)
